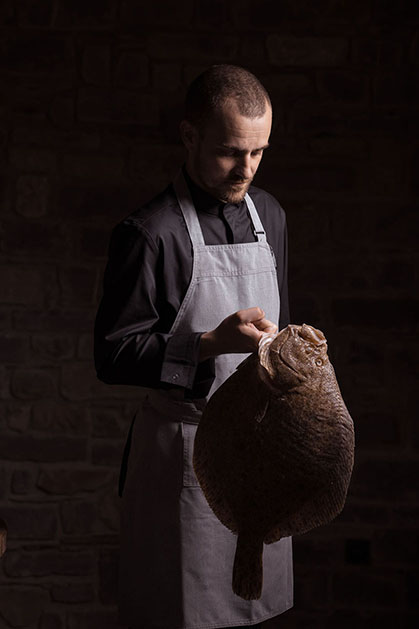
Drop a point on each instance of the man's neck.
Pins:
(203, 200)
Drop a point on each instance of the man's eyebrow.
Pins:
(235, 148)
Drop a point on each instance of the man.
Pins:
(193, 280)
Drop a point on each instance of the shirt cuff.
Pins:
(181, 361)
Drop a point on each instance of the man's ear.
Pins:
(188, 134)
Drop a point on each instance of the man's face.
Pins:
(224, 156)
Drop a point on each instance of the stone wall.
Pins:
(91, 95)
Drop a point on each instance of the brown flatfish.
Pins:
(274, 449)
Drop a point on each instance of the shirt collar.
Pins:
(203, 200)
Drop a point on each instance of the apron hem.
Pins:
(245, 623)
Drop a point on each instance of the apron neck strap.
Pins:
(191, 218)
(258, 230)
(188, 209)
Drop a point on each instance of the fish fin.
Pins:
(248, 567)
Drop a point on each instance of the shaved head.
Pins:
(210, 91)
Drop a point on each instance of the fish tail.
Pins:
(248, 567)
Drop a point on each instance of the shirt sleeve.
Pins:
(130, 346)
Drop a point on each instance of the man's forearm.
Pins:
(206, 347)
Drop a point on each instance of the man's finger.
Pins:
(266, 326)
(250, 315)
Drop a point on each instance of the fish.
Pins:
(274, 448)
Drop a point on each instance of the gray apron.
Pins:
(176, 558)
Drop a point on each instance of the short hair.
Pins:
(211, 89)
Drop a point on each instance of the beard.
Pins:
(233, 192)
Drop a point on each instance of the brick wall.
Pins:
(90, 99)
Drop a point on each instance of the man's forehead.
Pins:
(230, 128)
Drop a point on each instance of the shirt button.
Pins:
(175, 376)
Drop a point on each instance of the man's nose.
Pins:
(245, 167)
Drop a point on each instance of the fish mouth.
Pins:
(308, 333)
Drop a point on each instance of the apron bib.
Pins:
(176, 558)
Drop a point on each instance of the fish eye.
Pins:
(319, 362)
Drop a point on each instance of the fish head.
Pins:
(296, 354)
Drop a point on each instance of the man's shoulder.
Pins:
(150, 215)
(153, 219)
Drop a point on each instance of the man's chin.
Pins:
(234, 194)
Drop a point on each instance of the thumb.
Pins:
(252, 314)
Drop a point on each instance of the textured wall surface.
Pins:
(90, 96)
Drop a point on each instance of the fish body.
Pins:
(274, 449)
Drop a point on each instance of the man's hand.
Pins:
(238, 333)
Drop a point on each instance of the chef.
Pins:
(194, 279)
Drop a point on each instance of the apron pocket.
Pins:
(188, 435)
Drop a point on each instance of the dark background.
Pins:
(90, 102)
